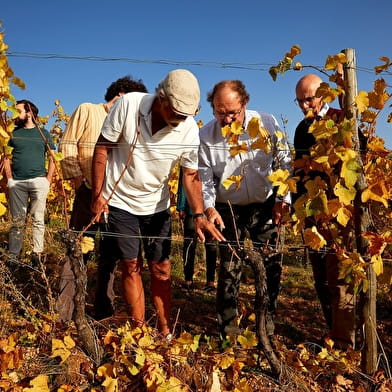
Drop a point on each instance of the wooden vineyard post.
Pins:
(361, 223)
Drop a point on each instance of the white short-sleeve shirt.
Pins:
(143, 188)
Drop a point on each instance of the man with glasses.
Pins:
(142, 139)
(336, 297)
(250, 209)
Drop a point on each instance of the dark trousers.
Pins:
(107, 263)
(336, 298)
(254, 221)
(189, 250)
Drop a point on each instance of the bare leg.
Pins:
(133, 288)
(161, 292)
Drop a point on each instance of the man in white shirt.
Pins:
(256, 207)
(142, 139)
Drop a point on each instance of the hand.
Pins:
(279, 210)
(99, 205)
(214, 217)
(77, 182)
(202, 225)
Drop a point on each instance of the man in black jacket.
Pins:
(336, 297)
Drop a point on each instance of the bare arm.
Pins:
(98, 203)
(192, 186)
(51, 166)
(7, 168)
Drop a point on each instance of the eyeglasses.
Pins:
(301, 101)
(232, 114)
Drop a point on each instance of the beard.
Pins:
(20, 122)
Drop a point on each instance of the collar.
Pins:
(146, 105)
(145, 112)
(323, 111)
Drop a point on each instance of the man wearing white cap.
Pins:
(142, 139)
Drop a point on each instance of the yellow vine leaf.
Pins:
(294, 51)
(350, 172)
(172, 385)
(58, 156)
(19, 82)
(368, 116)
(108, 373)
(233, 139)
(38, 384)
(69, 342)
(146, 341)
(285, 64)
(235, 150)
(378, 265)
(226, 361)
(61, 348)
(232, 180)
(327, 93)
(234, 128)
(185, 338)
(67, 185)
(226, 131)
(314, 239)
(323, 129)
(384, 67)
(247, 340)
(317, 205)
(314, 187)
(280, 179)
(333, 61)
(68, 388)
(352, 270)
(173, 179)
(343, 216)
(345, 194)
(377, 192)
(87, 244)
(280, 135)
(253, 128)
(263, 144)
(154, 376)
(140, 357)
(243, 386)
(110, 384)
(379, 96)
(3, 200)
(362, 101)
(377, 242)
(350, 167)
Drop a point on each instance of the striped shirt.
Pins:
(78, 142)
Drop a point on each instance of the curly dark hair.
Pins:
(29, 107)
(124, 85)
(235, 85)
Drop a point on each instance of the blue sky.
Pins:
(163, 35)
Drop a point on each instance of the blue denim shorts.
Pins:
(131, 231)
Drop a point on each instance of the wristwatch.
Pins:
(199, 215)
